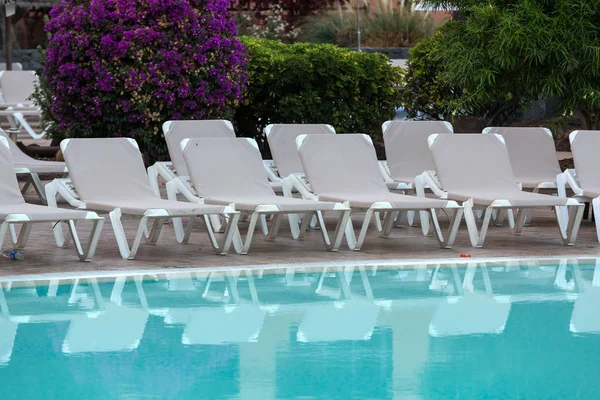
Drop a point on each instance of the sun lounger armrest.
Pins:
(64, 187)
(182, 185)
(163, 169)
(272, 172)
(23, 124)
(298, 182)
(428, 179)
(568, 178)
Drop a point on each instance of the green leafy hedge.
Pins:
(310, 83)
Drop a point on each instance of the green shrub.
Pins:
(309, 83)
(430, 92)
(425, 93)
(520, 50)
(386, 25)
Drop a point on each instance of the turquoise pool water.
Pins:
(476, 331)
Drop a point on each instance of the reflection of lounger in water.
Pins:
(586, 311)
(351, 320)
(225, 324)
(115, 329)
(8, 332)
(471, 314)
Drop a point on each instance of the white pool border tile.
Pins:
(312, 265)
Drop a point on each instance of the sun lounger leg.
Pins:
(477, 237)
(275, 224)
(230, 230)
(157, 225)
(455, 220)
(3, 229)
(86, 254)
(20, 241)
(350, 235)
(338, 234)
(306, 220)
(378, 223)
(38, 186)
(242, 246)
(519, 223)
(188, 231)
(401, 219)
(570, 229)
(388, 224)
(363, 229)
(126, 252)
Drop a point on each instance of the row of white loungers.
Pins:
(350, 178)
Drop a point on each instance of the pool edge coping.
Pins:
(273, 266)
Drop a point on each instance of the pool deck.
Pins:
(539, 240)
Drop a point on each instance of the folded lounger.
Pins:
(14, 211)
(108, 175)
(475, 169)
(585, 179)
(344, 168)
(17, 88)
(242, 183)
(25, 165)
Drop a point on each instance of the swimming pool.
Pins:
(515, 330)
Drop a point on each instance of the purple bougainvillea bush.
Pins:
(124, 67)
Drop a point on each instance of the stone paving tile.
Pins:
(541, 239)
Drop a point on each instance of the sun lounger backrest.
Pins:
(17, 154)
(406, 148)
(9, 187)
(176, 131)
(282, 142)
(15, 66)
(585, 146)
(230, 167)
(472, 162)
(17, 86)
(107, 168)
(531, 151)
(345, 163)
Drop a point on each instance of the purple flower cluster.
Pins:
(123, 67)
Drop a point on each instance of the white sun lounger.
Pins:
(17, 88)
(30, 167)
(242, 183)
(15, 66)
(344, 168)
(175, 132)
(407, 151)
(532, 156)
(584, 180)
(533, 159)
(282, 142)
(14, 211)
(108, 175)
(475, 169)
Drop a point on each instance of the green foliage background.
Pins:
(499, 55)
(310, 83)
